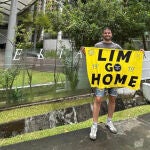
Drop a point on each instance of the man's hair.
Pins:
(106, 28)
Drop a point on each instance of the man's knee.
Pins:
(112, 99)
(98, 99)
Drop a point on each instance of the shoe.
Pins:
(111, 127)
(93, 132)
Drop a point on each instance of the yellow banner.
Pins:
(114, 68)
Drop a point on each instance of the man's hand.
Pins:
(142, 50)
(82, 48)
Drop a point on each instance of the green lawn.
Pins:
(121, 115)
(37, 78)
(38, 93)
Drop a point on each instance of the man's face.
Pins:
(107, 35)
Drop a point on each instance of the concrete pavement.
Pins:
(133, 134)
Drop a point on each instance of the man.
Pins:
(99, 93)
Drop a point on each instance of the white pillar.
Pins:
(59, 36)
(43, 10)
(11, 34)
(60, 9)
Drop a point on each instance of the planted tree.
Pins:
(7, 78)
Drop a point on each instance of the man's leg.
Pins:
(111, 106)
(111, 109)
(96, 109)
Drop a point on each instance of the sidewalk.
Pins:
(133, 134)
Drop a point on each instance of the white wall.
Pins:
(51, 44)
(146, 66)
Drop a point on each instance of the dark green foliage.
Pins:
(7, 78)
(84, 22)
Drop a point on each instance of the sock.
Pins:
(95, 124)
(109, 119)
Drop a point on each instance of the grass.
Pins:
(37, 78)
(25, 112)
(121, 115)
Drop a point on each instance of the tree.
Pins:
(139, 14)
(81, 22)
(84, 22)
(30, 24)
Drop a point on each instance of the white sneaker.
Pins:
(93, 132)
(111, 127)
